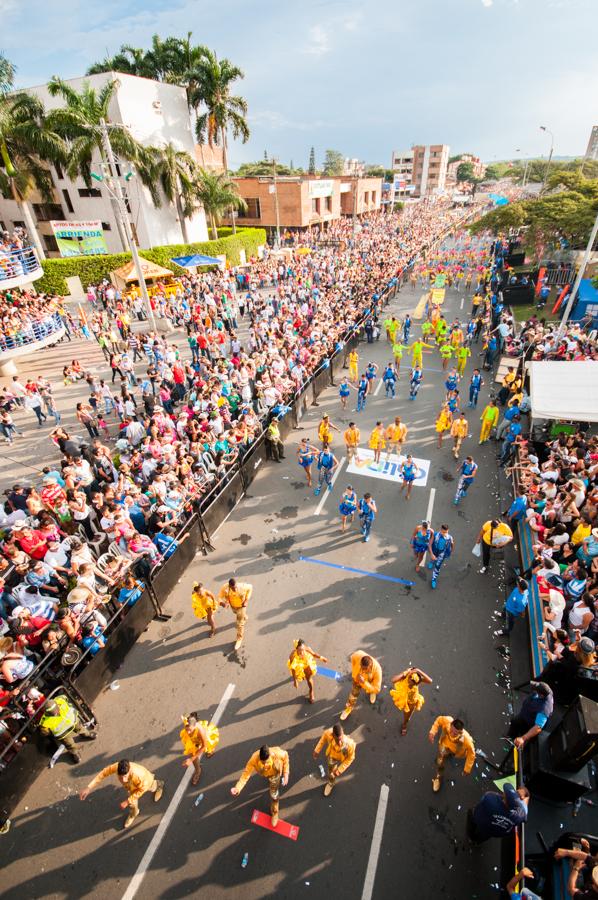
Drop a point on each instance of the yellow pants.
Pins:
(241, 615)
(485, 432)
(461, 366)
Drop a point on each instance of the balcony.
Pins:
(38, 333)
(19, 267)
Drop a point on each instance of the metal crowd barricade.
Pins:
(36, 330)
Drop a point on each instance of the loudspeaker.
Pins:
(543, 781)
(574, 741)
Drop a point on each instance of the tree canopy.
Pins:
(333, 163)
(465, 171)
(565, 214)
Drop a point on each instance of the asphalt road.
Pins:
(61, 847)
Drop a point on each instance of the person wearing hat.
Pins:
(498, 815)
(274, 442)
(534, 714)
(61, 720)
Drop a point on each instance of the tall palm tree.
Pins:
(176, 172)
(166, 60)
(217, 194)
(79, 123)
(129, 60)
(210, 85)
(26, 144)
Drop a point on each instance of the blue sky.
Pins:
(361, 77)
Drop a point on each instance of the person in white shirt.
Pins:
(135, 432)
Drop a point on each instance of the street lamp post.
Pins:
(548, 131)
(114, 186)
(580, 275)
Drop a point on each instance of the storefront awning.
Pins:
(198, 259)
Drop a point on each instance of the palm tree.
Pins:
(128, 60)
(210, 86)
(176, 171)
(167, 60)
(217, 194)
(79, 122)
(26, 143)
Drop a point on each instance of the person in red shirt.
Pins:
(31, 542)
(29, 629)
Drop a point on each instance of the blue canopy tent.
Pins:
(198, 259)
(498, 199)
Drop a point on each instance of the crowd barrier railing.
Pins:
(15, 263)
(37, 330)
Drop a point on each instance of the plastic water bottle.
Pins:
(199, 799)
(322, 772)
(245, 860)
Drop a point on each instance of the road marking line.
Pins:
(377, 391)
(429, 517)
(156, 840)
(325, 487)
(370, 875)
(462, 302)
(323, 562)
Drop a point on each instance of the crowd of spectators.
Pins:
(76, 550)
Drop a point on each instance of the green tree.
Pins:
(27, 144)
(375, 171)
(177, 172)
(261, 167)
(333, 163)
(453, 159)
(170, 60)
(79, 123)
(217, 194)
(493, 172)
(311, 168)
(210, 86)
(568, 214)
(465, 171)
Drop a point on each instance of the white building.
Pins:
(353, 167)
(423, 168)
(592, 151)
(156, 114)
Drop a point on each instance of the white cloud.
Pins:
(487, 3)
(319, 43)
(353, 22)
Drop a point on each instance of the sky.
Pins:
(362, 77)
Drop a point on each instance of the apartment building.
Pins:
(422, 169)
(155, 114)
(305, 200)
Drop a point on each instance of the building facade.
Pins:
(353, 167)
(423, 169)
(304, 201)
(592, 151)
(479, 168)
(155, 114)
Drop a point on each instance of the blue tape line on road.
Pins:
(322, 562)
(330, 673)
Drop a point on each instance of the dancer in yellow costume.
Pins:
(353, 365)
(443, 422)
(302, 665)
(416, 353)
(489, 419)
(203, 603)
(197, 737)
(406, 695)
(377, 441)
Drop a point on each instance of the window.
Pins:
(106, 226)
(18, 224)
(59, 172)
(50, 243)
(253, 210)
(127, 205)
(2, 226)
(90, 192)
(328, 204)
(366, 197)
(373, 198)
(46, 211)
(68, 201)
(315, 206)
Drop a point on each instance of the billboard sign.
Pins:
(79, 238)
(321, 188)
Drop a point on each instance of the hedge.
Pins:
(92, 269)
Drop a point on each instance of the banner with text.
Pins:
(79, 238)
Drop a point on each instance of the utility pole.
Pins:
(115, 187)
(276, 203)
(580, 274)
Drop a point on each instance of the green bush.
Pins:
(92, 269)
